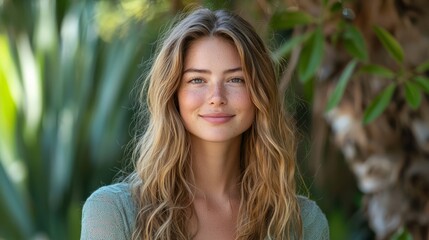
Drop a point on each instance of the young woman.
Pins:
(217, 160)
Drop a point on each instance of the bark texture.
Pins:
(390, 156)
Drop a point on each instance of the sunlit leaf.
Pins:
(311, 55)
(64, 151)
(289, 19)
(32, 85)
(338, 92)
(355, 43)
(7, 103)
(422, 83)
(118, 57)
(67, 81)
(377, 70)
(390, 44)
(423, 67)
(13, 222)
(379, 104)
(412, 95)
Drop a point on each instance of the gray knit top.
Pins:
(110, 212)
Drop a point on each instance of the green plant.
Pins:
(367, 80)
(65, 106)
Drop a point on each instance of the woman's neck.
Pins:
(216, 168)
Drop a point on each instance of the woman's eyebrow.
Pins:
(197, 70)
(237, 69)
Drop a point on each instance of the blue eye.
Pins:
(196, 81)
(237, 80)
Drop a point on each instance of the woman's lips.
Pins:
(217, 118)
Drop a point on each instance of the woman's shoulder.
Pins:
(114, 193)
(109, 212)
(314, 222)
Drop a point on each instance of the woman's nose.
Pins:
(218, 95)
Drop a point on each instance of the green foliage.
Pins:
(402, 234)
(422, 83)
(379, 104)
(377, 70)
(312, 41)
(286, 48)
(66, 72)
(66, 108)
(15, 214)
(337, 6)
(289, 19)
(338, 92)
(336, 225)
(423, 67)
(311, 55)
(413, 95)
(7, 104)
(311, 34)
(390, 44)
(325, 3)
(355, 43)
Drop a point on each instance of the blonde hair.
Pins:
(161, 181)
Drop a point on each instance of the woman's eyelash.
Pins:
(200, 80)
(196, 80)
(237, 80)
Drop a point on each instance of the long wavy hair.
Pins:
(161, 182)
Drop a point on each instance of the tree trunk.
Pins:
(389, 156)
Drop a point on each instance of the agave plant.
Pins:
(66, 73)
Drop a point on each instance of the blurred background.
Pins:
(354, 75)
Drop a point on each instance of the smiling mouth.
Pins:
(217, 118)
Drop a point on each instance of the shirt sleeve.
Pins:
(314, 221)
(102, 218)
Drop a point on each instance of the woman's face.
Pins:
(214, 102)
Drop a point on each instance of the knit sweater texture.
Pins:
(110, 212)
